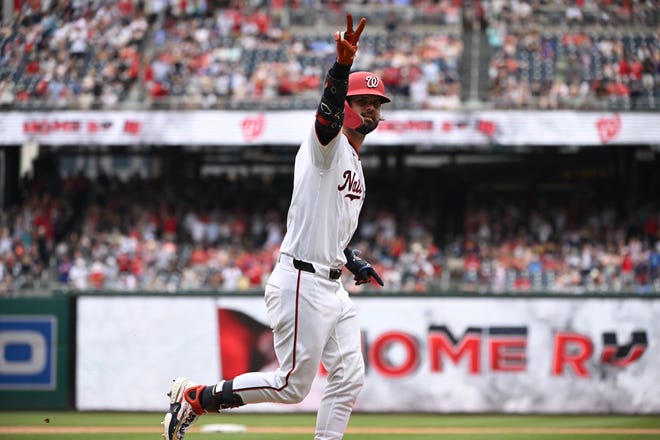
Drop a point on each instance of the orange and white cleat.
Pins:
(183, 412)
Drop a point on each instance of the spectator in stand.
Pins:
(588, 70)
(123, 240)
(79, 55)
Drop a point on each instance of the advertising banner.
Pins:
(448, 129)
(129, 349)
(435, 354)
(35, 353)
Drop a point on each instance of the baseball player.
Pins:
(311, 315)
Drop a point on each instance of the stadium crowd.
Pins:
(154, 235)
(229, 54)
(223, 234)
(108, 55)
(584, 55)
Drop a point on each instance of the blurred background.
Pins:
(554, 209)
(146, 148)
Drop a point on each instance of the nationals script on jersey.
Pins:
(328, 193)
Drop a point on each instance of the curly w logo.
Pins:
(608, 128)
(253, 127)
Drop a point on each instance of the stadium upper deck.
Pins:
(233, 55)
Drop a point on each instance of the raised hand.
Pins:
(347, 41)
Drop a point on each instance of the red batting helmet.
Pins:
(366, 83)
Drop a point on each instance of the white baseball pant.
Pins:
(314, 320)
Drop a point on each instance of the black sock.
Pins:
(226, 398)
(210, 401)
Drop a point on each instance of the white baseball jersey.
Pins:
(328, 193)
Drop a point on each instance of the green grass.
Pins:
(459, 427)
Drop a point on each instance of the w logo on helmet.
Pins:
(366, 83)
(372, 81)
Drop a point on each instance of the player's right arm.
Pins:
(330, 112)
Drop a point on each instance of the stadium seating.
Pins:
(95, 56)
(112, 55)
(579, 60)
(153, 235)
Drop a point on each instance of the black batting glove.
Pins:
(363, 271)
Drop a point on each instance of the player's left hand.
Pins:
(363, 271)
(367, 274)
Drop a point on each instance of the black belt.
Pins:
(333, 274)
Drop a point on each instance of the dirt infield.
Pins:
(355, 430)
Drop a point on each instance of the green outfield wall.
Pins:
(36, 352)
